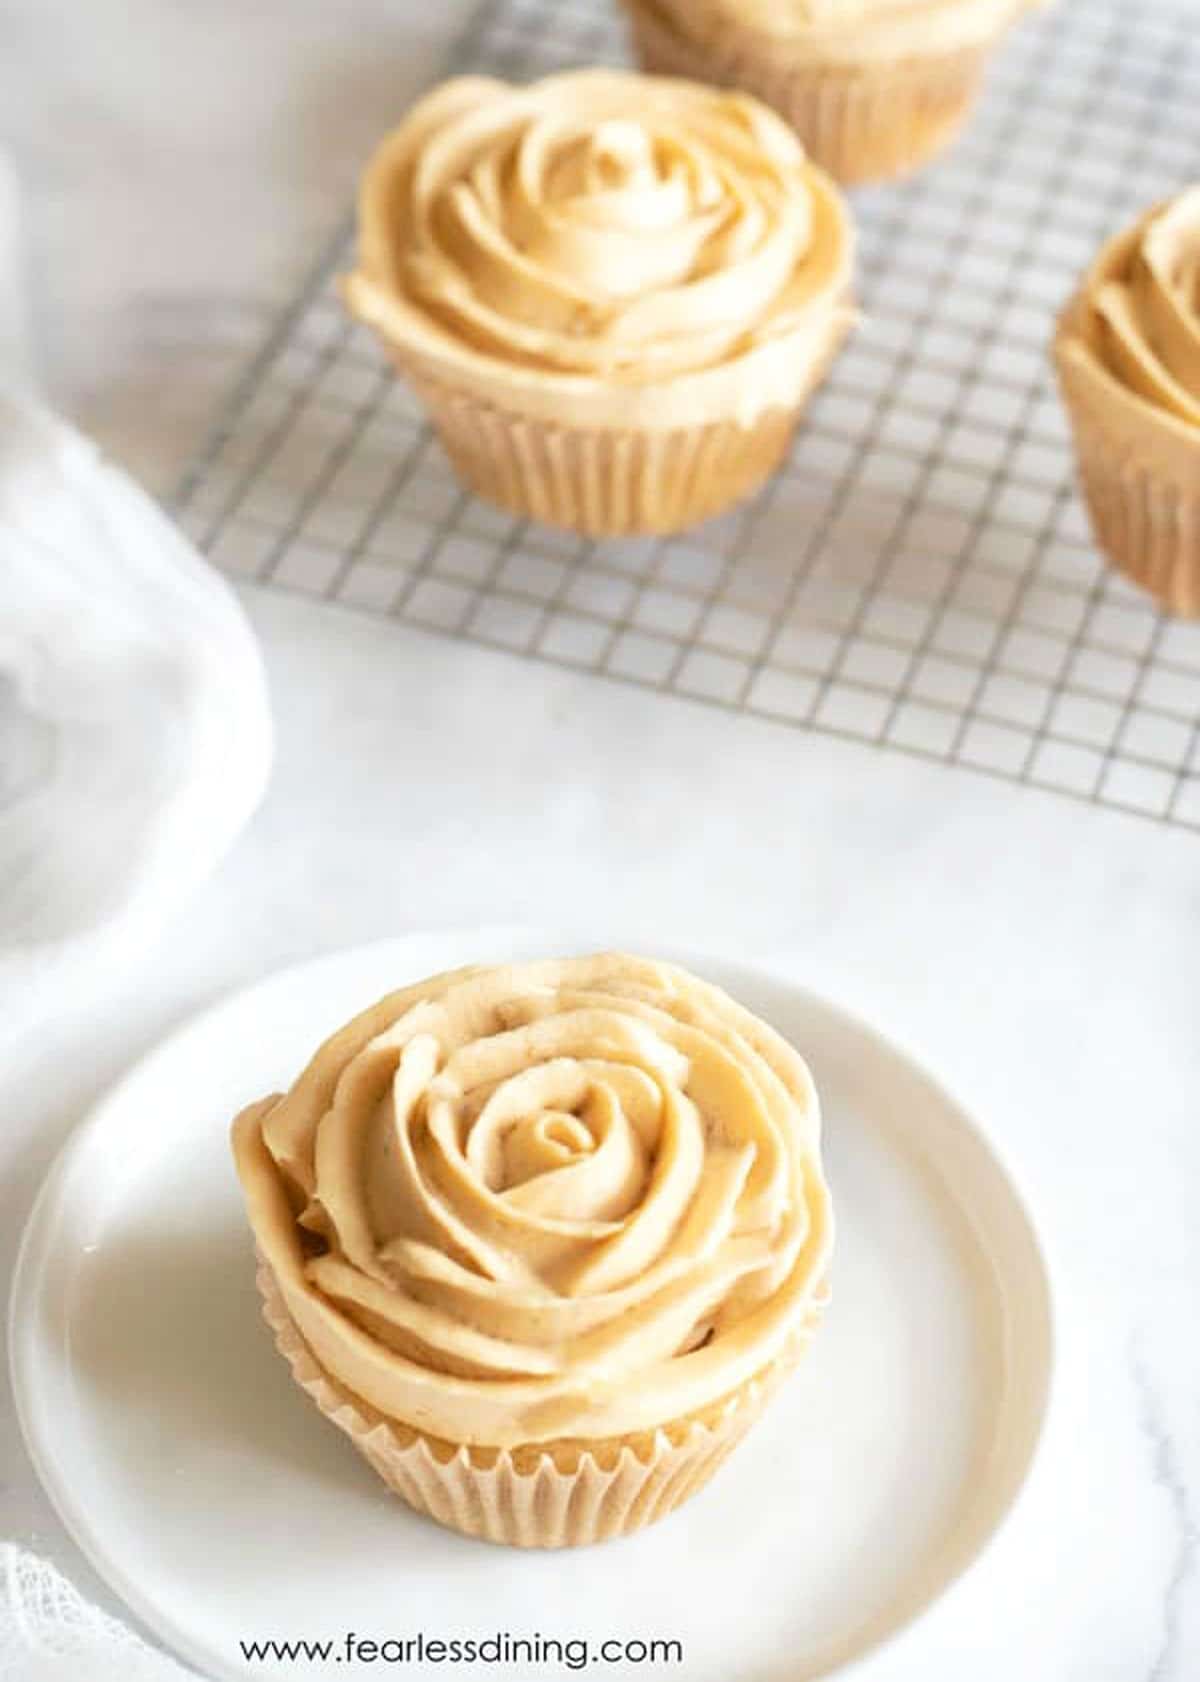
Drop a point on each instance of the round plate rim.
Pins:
(35, 1250)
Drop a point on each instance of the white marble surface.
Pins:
(1045, 957)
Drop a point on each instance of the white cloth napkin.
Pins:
(135, 736)
(49, 1633)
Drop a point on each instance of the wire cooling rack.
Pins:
(920, 574)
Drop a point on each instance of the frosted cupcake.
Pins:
(872, 87)
(1128, 356)
(613, 293)
(542, 1239)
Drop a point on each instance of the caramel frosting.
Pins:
(1132, 334)
(576, 1198)
(1150, 312)
(604, 248)
(845, 31)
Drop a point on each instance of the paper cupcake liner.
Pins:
(1146, 520)
(552, 1495)
(859, 123)
(1148, 526)
(599, 482)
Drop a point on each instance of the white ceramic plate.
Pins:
(219, 1504)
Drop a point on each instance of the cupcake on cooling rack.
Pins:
(873, 87)
(1128, 356)
(542, 1239)
(613, 293)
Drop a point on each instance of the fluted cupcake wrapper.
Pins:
(600, 482)
(565, 1494)
(1145, 520)
(861, 123)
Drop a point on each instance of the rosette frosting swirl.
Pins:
(604, 234)
(1147, 306)
(568, 1199)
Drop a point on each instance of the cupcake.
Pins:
(873, 88)
(1128, 356)
(542, 1239)
(612, 293)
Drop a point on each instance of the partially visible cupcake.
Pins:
(874, 88)
(543, 1239)
(614, 293)
(1128, 356)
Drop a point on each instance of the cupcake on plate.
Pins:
(1128, 356)
(873, 88)
(613, 293)
(542, 1239)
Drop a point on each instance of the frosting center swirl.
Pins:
(570, 1198)
(1149, 311)
(599, 226)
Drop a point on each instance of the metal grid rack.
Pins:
(920, 574)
